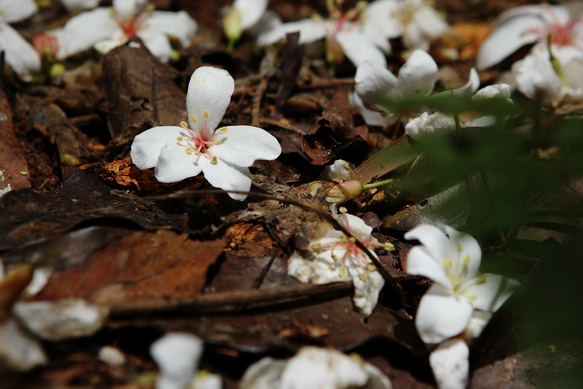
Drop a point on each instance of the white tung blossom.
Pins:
(19, 54)
(223, 154)
(335, 257)
(107, 28)
(314, 368)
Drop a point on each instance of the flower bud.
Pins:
(232, 26)
(344, 191)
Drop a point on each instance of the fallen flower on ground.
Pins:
(19, 54)
(334, 257)
(314, 368)
(223, 155)
(378, 90)
(76, 6)
(452, 259)
(529, 24)
(107, 28)
(177, 355)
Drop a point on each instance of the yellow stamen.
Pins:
(197, 153)
(466, 260)
(370, 267)
(316, 246)
(343, 272)
(179, 139)
(217, 142)
(188, 150)
(192, 118)
(223, 130)
(389, 246)
(184, 125)
(364, 276)
(447, 263)
(206, 114)
(214, 160)
(482, 279)
(471, 297)
(459, 248)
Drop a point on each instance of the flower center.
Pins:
(561, 33)
(133, 24)
(200, 141)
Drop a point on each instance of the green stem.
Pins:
(376, 184)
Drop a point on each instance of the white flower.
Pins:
(414, 20)
(242, 15)
(19, 54)
(223, 155)
(106, 28)
(345, 33)
(533, 24)
(450, 364)
(427, 126)
(314, 368)
(379, 90)
(335, 257)
(75, 6)
(452, 259)
(177, 355)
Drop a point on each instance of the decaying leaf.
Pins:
(14, 164)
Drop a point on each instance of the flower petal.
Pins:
(178, 25)
(83, 31)
(372, 118)
(468, 251)
(425, 126)
(157, 44)
(510, 35)
(75, 6)
(417, 76)
(367, 286)
(373, 83)
(126, 10)
(434, 240)
(450, 364)
(268, 30)
(15, 11)
(174, 164)
(208, 97)
(492, 292)
(251, 11)
(420, 262)
(20, 54)
(177, 355)
(477, 323)
(147, 145)
(536, 78)
(310, 30)
(227, 177)
(430, 22)
(441, 315)
(243, 145)
(380, 18)
(358, 48)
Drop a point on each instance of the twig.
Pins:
(327, 83)
(285, 126)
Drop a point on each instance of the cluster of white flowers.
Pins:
(457, 307)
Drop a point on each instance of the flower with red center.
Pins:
(336, 257)
(530, 24)
(106, 28)
(223, 155)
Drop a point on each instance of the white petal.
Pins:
(177, 355)
(339, 171)
(434, 240)
(263, 374)
(105, 46)
(471, 86)
(508, 37)
(146, 146)
(16, 10)
(251, 11)
(243, 145)
(373, 83)
(314, 367)
(493, 292)
(358, 48)
(128, 9)
(376, 379)
(310, 30)
(81, 32)
(366, 292)
(425, 126)
(227, 177)
(75, 6)
(20, 54)
(420, 262)
(493, 91)
(417, 76)
(178, 25)
(429, 20)
(372, 118)
(441, 315)
(468, 250)
(536, 78)
(209, 94)
(356, 226)
(380, 17)
(450, 364)
(158, 44)
(477, 323)
(268, 30)
(19, 351)
(174, 164)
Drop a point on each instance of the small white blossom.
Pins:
(450, 364)
(314, 368)
(19, 54)
(533, 24)
(223, 154)
(452, 259)
(75, 6)
(177, 355)
(107, 28)
(335, 257)
(242, 15)
(377, 89)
